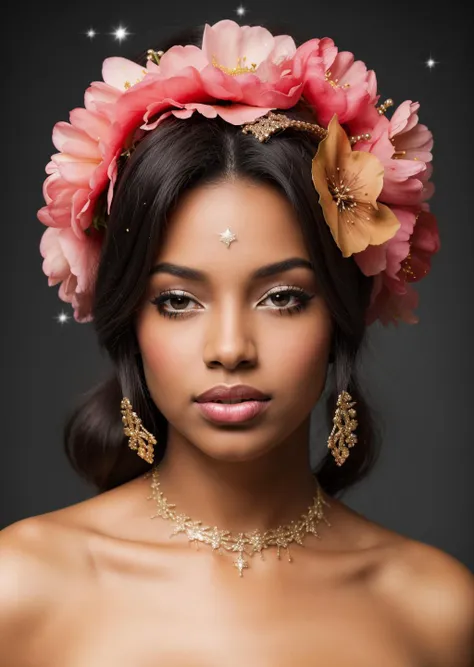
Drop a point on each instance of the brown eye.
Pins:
(281, 298)
(177, 302)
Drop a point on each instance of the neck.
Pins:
(263, 493)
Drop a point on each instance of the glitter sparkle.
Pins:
(120, 33)
(62, 317)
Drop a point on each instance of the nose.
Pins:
(229, 340)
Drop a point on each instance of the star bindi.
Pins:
(227, 237)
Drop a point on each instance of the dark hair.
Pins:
(175, 157)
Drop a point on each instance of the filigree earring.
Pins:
(139, 439)
(340, 441)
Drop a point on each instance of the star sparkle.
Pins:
(240, 10)
(91, 33)
(62, 317)
(120, 33)
(430, 63)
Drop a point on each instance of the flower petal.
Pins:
(238, 114)
(118, 72)
(349, 183)
(178, 57)
(228, 43)
(75, 141)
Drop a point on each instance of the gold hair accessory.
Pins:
(383, 107)
(265, 126)
(340, 442)
(140, 440)
(247, 543)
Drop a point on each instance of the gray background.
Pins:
(419, 377)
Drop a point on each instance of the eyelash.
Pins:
(302, 295)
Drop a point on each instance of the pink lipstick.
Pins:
(232, 403)
(233, 412)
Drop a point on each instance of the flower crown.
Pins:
(371, 173)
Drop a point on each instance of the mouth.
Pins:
(232, 394)
(233, 411)
(235, 401)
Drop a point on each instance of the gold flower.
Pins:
(348, 183)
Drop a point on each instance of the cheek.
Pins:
(301, 359)
(166, 356)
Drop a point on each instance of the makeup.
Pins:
(232, 413)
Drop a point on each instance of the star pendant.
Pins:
(240, 563)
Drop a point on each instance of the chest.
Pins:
(201, 623)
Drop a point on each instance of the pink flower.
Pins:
(390, 306)
(424, 243)
(411, 140)
(334, 82)
(240, 64)
(80, 172)
(73, 262)
(392, 299)
(408, 260)
(404, 148)
(388, 256)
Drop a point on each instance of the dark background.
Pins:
(419, 377)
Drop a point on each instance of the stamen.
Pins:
(335, 82)
(240, 69)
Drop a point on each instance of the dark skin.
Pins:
(98, 583)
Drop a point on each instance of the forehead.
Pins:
(262, 219)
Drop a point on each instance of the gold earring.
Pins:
(140, 440)
(340, 442)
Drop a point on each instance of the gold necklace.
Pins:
(244, 543)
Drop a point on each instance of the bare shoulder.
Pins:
(430, 592)
(25, 550)
(34, 561)
(434, 593)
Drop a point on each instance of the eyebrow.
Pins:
(263, 272)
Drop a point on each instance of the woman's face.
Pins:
(231, 327)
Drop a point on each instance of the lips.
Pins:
(224, 393)
(221, 413)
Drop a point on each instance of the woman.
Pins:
(189, 223)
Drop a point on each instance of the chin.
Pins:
(234, 451)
